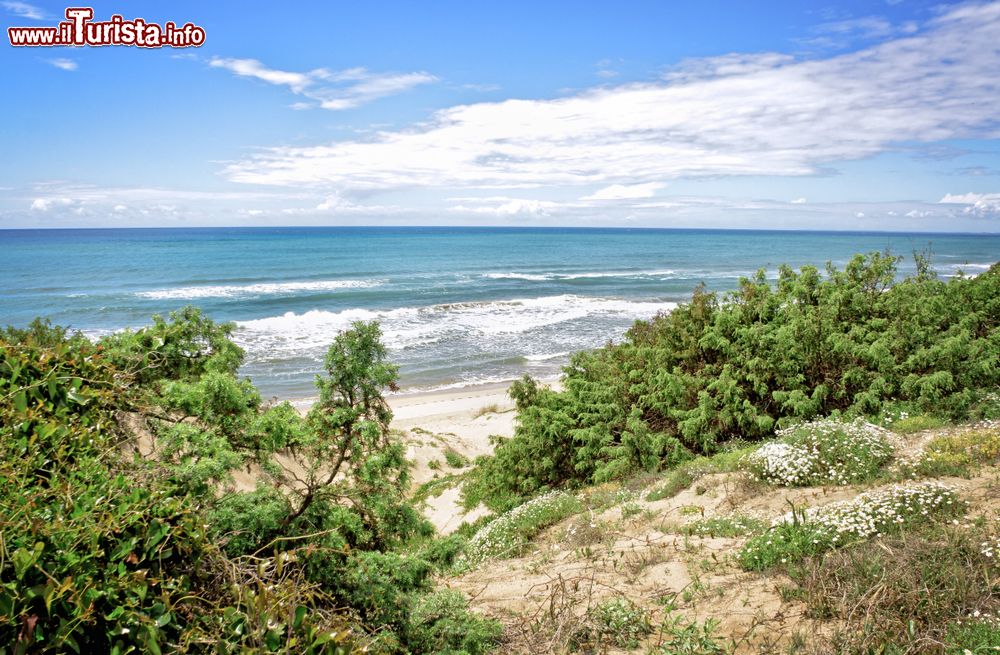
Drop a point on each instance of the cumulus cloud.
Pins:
(45, 204)
(64, 64)
(745, 115)
(503, 206)
(975, 204)
(328, 89)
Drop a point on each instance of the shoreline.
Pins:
(418, 403)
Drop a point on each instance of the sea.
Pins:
(458, 306)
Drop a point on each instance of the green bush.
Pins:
(442, 623)
(854, 342)
(618, 621)
(102, 554)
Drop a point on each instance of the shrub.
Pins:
(442, 623)
(507, 535)
(617, 621)
(102, 554)
(827, 451)
(802, 533)
(455, 459)
(856, 341)
(682, 636)
(930, 589)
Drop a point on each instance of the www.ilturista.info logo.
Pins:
(79, 29)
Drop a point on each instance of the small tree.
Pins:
(347, 456)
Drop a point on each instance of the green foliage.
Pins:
(853, 342)
(183, 348)
(682, 636)
(974, 635)
(783, 544)
(154, 555)
(508, 534)
(441, 623)
(616, 621)
(100, 554)
(455, 459)
(934, 585)
(442, 552)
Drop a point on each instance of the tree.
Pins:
(347, 456)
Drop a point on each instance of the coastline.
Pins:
(422, 403)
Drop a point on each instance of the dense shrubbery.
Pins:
(853, 342)
(100, 552)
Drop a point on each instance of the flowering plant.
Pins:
(826, 451)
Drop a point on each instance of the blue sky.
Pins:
(815, 115)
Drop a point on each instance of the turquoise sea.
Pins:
(457, 305)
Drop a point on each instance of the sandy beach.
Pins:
(444, 432)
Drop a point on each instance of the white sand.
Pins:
(435, 422)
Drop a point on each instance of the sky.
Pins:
(875, 115)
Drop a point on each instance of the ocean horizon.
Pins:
(458, 306)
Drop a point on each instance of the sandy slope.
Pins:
(638, 550)
(432, 423)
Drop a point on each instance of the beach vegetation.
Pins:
(104, 550)
(931, 588)
(804, 532)
(824, 451)
(855, 342)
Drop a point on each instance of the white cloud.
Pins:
(45, 204)
(52, 201)
(63, 63)
(799, 201)
(695, 70)
(745, 115)
(606, 68)
(335, 90)
(976, 204)
(868, 27)
(503, 206)
(24, 10)
(297, 82)
(625, 191)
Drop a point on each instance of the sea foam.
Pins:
(257, 289)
